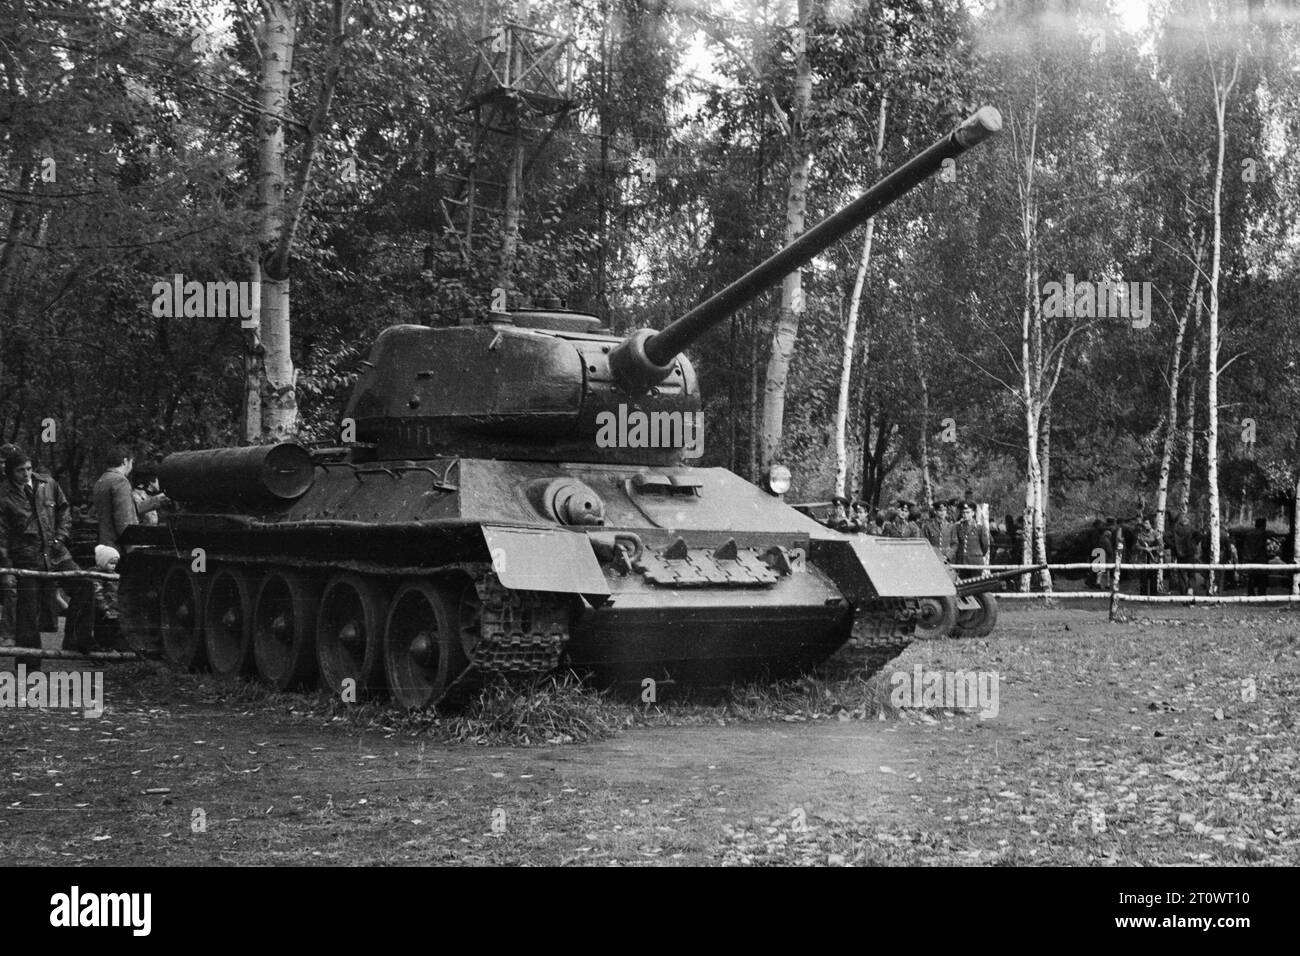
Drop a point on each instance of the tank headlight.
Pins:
(778, 479)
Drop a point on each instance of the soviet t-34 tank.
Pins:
(517, 498)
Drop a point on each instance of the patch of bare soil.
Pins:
(1165, 740)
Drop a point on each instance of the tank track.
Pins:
(883, 629)
(522, 634)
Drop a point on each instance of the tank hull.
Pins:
(693, 577)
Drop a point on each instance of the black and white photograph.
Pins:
(651, 433)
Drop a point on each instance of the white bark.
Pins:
(927, 490)
(1034, 391)
(253, 372)
(851, 327)
(279, 407)
(279, 402)
(1221, 95)
(276, 40)
(1171, 411)
(787, 324)
(1295, 536)
(1189, 422)
(1045, 459)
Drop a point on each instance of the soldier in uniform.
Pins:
(937, 529)
(861, 520)
(1147, 551)
(972, 540)
(839, 518)
(907, 523)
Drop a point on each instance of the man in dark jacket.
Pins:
(35, 528)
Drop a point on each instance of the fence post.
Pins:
(1295, 538)
(1114, 577)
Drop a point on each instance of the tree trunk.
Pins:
(1171, 410)
(510, 221)
(755, 464)
(1045, 458)
(1033, 394)
(927, 489)
(274, 366)
(1212, 345)
(11, 252)
(279, 402)
(1295, 536)
(851, 327)
(1189, 419)
(254, 373)
(846, 365)
(792, 304)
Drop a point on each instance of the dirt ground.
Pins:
(1132, 743)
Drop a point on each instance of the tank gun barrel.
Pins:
(646, 357)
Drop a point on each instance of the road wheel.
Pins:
(180, 607)
(978, 621)
(349, 634)
(284, 629)
(423, 650)
(935, 617)
(228, 623)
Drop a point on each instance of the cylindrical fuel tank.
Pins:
(259, 474)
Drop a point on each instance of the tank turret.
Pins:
(538, 385)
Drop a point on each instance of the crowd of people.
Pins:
(950, 527)
(1183, 543)
(36, 535)
(952, 531)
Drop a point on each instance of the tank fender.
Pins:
(865, 567)
(545, 559)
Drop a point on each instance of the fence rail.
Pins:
(26, 573)
(1116, 597)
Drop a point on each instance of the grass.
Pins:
(1115, 744)
(557, 709)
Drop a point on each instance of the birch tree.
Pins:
(1222, 87)
(1176, 369)
(851, 325)
(792, 297)
(271, 403)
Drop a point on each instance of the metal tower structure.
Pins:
(516, 97)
